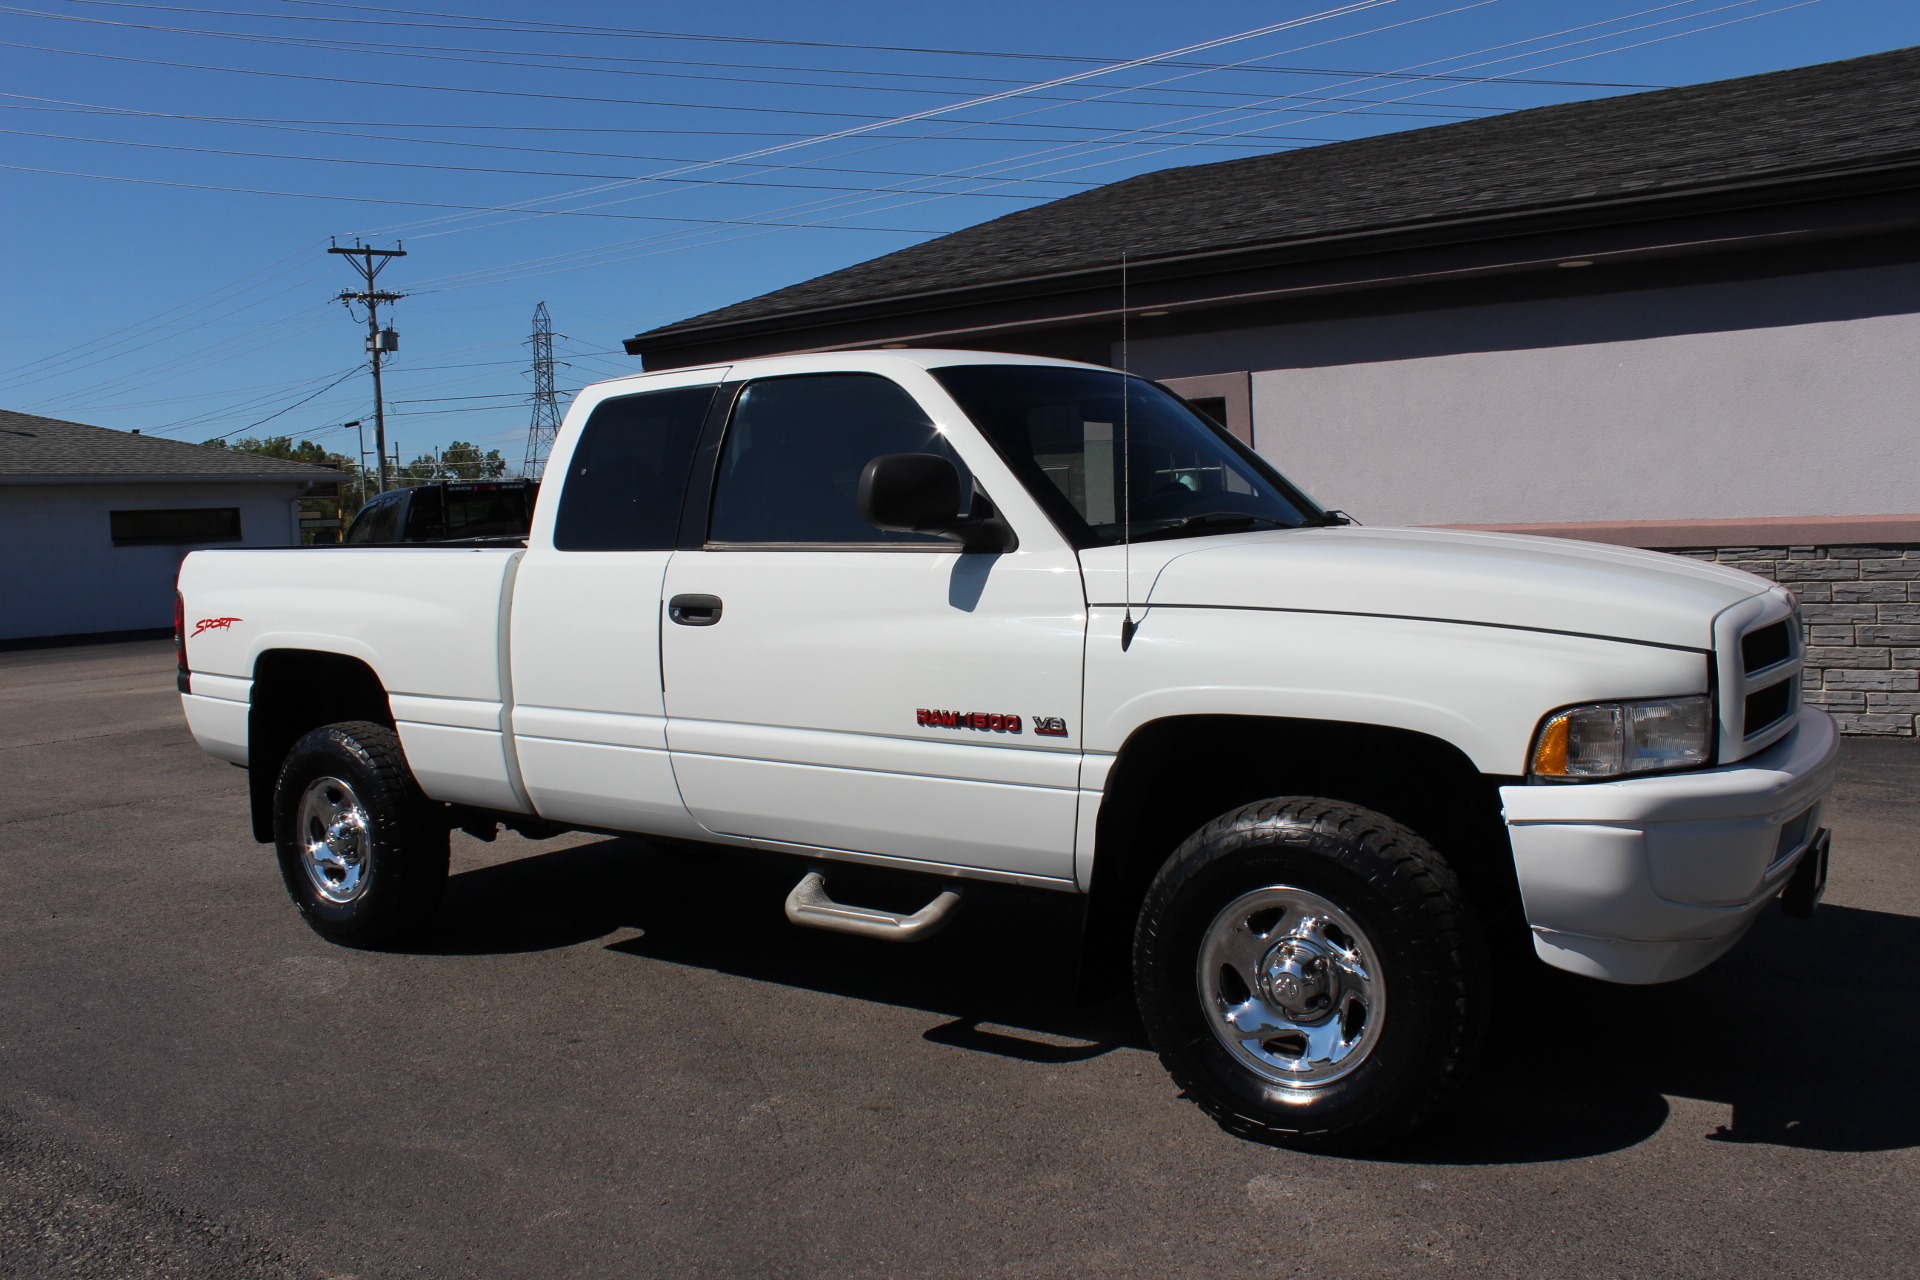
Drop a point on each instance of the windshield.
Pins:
(1060, 429)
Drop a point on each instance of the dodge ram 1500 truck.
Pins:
(1003, 618)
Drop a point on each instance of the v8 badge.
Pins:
(1050, 726)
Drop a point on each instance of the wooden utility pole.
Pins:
(369, 262)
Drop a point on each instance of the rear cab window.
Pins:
(627, 477)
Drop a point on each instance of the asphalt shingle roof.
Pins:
(1838, 116)
(32, 447)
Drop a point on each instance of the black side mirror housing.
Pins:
(920, 493)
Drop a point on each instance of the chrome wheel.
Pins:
(336, 843)
(1290, 986)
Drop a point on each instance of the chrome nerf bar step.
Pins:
(809, 906)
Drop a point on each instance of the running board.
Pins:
(810, 907)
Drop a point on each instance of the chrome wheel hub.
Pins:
(1290, 986)
(336, 844)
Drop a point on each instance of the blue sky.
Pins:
(631, 165)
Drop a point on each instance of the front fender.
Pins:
(1482, 689)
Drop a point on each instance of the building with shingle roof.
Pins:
(94, 522)
(37, 450)
(1685, 318)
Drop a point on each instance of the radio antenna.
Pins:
(1127, 624)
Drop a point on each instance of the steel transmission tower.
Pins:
(546, 408)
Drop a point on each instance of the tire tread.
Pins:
(1422, 895)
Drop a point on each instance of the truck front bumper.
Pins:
(1651, 879)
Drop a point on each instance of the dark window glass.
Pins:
(500, 513)
(378, 521)
(177, 527)
(790, 467)
(1060, 429)
(424, 522)
(628, 474)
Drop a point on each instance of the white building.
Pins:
(94, 523)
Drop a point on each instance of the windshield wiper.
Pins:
(1210, 521)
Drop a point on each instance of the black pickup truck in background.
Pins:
(448, 511)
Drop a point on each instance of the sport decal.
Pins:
(980, 720)
(214, 624)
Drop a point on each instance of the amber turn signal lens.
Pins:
(1550, 758)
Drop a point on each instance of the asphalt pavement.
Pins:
(614, 1059)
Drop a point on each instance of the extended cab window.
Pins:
(628, 473)
(790, 466)
(1060, 430)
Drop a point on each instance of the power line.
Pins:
(550, 267)
(521, 59)
(578, 257)
(290, 408)
(444, 204)
(948, 136)
(852, 131)
(447, 168)
(292, 125)
(600, 99)
(518, 26)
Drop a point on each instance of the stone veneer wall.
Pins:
(1861, 606)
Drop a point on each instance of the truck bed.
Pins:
(429, 621)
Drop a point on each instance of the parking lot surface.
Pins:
(616, 1059)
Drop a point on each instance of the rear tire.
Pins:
(1265, 954)
(363, 852)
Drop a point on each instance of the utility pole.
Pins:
(369, 262)
(546, 409)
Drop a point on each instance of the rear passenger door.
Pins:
(833, 686)
(589, 722)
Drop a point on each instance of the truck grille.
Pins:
(1768, 707)
(1759, 660)
(1767, 646)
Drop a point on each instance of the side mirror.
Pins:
(920, 493)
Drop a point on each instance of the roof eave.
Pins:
(98, 478)
(1776, 189)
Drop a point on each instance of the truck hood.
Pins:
(1494, 579)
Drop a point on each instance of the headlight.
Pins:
(1614, 739)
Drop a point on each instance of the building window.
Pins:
(175, 527)
(1214, 407)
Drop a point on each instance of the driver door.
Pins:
(833, 686)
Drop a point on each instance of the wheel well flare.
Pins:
(295, 690)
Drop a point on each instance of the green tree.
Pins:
(284, 447)
(341, 508)
(461, 460)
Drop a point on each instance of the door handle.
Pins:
(694, 611)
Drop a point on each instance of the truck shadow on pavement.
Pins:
(1808, 1031)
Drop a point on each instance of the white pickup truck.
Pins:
(995, 617)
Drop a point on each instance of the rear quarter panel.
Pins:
(426, 620)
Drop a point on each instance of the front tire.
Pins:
(1311, 975)
(362, 851)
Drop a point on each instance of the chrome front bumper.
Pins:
(1651, 879)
